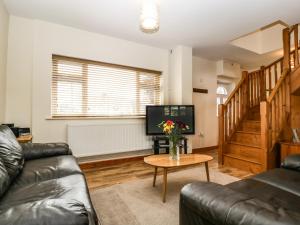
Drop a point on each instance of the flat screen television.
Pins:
(158, 113)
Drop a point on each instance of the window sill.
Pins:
(93, 117)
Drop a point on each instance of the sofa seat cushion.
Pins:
(10, 152)
(287, 180)
(35, 171)
(218, 204)
(50, 212)
(71, 187)
(267, 193)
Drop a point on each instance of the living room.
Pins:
(115, 85)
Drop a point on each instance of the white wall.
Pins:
(180, 85)
(180, 82)
(4, 19)
(228, 69)
(205, 76)
(31, 44)
(19, 72)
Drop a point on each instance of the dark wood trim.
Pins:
(201, 150)
(112, 162)
(200, 90)
(109, 162)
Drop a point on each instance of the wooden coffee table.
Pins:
(164, 161)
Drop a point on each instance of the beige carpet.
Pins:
(138, 203)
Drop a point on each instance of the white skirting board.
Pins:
(88, 140)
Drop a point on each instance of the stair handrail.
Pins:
(278, 85)
(237, 87)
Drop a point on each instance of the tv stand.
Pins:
(162, 142)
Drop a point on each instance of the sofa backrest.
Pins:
(292, 162)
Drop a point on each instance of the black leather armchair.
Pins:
(49, 187)
(270, 198)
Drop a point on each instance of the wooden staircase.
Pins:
(243, 149)
(257, 114)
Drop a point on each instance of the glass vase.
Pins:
(174, 151)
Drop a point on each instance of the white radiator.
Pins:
(88, 140)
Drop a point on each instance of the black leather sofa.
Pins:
(270, 198)
(41, 184)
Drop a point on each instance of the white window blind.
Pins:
(85, 88)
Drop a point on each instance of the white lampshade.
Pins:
(149, 21)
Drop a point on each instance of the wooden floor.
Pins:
(114, 174)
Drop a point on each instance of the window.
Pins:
(87, 88)
(221, 95)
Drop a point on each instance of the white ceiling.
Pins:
(206, 25)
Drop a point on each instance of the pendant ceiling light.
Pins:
(149, 20)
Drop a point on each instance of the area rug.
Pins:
(138, 203)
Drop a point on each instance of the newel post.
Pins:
(262, 84)
(286, 48)
(264, 115)
(221, 109)
(296, 59)
(246, 92)
(286, 66)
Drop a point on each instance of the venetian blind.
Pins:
(87, 88)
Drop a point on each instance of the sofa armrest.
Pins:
(204, 203)
(36, 151)
(292, 162)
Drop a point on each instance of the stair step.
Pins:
(244, 144)
(253, 121)
(242, 158)
(250, 126)
(242, 163)
(250, 152)
(248, 138)
(253, 116)
(248, 132)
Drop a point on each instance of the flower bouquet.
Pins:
(174, 132)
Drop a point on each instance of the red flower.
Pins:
(170, 122)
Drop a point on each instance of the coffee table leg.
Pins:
(154, 178)
(207, 172)
(165, 185)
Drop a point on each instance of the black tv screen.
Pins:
(156, 114)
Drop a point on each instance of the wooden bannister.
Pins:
(232, 112)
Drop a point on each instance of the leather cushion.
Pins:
(10, 152)
(267, 193)
(287, 180)
(35, 171)
(4, 178)
(221, 205)
(49, 211)
(71, 187)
